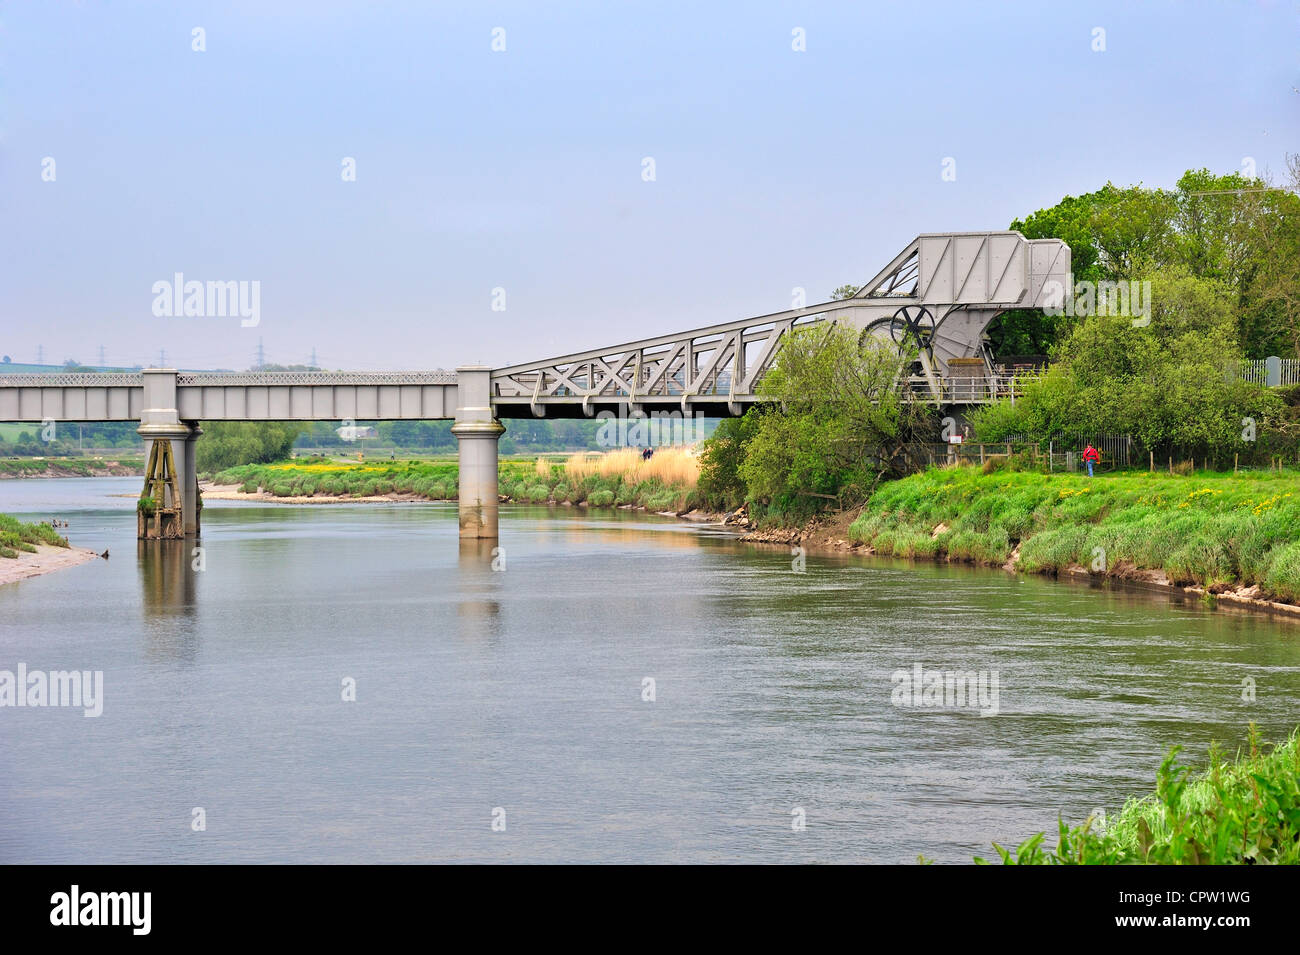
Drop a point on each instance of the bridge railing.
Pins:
(104, 379)
(972, 389)
(315, 378)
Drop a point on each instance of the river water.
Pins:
(520, 695)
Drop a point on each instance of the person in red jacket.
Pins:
(1092, 456)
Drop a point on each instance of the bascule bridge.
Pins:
(936, 299)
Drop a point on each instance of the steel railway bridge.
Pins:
(936, 298)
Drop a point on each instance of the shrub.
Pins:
(602, 498)
(1245, 811)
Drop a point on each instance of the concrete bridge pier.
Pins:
(477, 433)
(190, 500)
(160, 422)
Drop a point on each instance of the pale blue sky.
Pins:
(522, 169)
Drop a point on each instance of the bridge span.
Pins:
(936, 298)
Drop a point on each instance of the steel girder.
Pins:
(962, 280)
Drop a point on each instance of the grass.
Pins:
(1214, 530)
(1243, 811)
(16, 536)
(665, 482)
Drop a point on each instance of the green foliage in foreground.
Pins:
(1209, 529)
(1242, 811)
(16, 536)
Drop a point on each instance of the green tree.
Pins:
(226, 444)
(1170, 384)
(833, 423)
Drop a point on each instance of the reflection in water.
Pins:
(522, 687)
(480, 566)
(168, 588)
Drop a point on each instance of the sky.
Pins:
(503, 209)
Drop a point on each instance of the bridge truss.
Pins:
(936, 297)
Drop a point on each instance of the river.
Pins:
(520, 695)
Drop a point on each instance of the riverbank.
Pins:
(71, 467)
(664, 483)
(1218, 537)
(235, 492)
(46, 559)
(28, 550)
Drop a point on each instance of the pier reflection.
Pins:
(482, 565)
(168, 589)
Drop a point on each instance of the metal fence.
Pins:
(1273, 372)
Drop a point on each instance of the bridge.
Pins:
(936, 298)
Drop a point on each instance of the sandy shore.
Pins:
(47, 558)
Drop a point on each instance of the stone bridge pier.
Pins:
(477, 431)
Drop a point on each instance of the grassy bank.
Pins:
(1245, 810)
(618, 478)
(71, 467)
(16, 536)
(1219, 531)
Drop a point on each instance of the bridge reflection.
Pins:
(168, 590)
